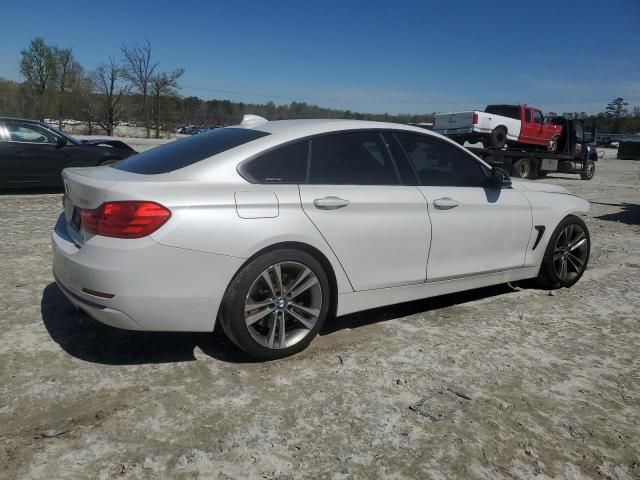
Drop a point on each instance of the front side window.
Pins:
(29, 133)
(352, 158)
(286, 164)
(439, 164)
(537, 117)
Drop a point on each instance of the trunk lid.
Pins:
(87, 188)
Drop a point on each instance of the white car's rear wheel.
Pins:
(276, 304)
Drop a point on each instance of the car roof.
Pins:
(314, 126)
(26, 120)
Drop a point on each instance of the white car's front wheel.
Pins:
(567, 254)
(276, 304)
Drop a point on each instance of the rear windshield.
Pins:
(510, 111)
(174, 155)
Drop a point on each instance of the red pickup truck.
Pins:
(499, 125)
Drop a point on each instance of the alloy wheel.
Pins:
(570, 253)
(283, 305)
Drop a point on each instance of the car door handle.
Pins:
(330, 203)
(445, 203)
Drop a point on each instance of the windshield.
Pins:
(63, 135)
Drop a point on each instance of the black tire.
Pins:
(232, 311)
(497, 138)
(591, 171)
(548, 276)
(522, 169)
(553, 144)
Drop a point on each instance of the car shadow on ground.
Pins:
(630, 213)
(89, 340)
(400, 310)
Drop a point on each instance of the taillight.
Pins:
(475, 118)
(129, 219)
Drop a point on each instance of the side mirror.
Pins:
(499, 178)
(61, 142)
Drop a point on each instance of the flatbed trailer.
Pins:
(576, 154)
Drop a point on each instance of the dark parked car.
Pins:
(33, 154)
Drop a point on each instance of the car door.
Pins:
(378, 228)
(475, 229)
(33, 153)
(537, 135)
(527, 131)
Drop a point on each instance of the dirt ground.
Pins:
(553, 379)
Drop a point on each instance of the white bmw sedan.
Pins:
(271, 227)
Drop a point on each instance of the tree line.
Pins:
(57, 85)
(616, 118)
(132, 89)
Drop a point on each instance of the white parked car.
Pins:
(271, 227)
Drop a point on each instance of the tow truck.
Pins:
(575, 153)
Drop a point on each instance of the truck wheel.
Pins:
(591, 171)
(521, 168)
(553, 144)
(498, 137)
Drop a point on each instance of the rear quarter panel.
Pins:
(205, 218)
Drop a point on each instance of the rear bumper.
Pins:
(455, 131)
(153, 287)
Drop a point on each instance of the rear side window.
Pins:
(527, 116)
(353, 158)
(510, 111)
(439, 164)
(287, 164)
(179, 154)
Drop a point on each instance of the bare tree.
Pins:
(139, 70)
(162, 84)
(103, 99)
(39, 67)
(69, 73)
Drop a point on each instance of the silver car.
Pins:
(270, 228)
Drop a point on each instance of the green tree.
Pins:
(616, 110)
(39, 67)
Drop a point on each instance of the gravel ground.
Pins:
(553, 378)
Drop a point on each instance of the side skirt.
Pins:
(364, 300)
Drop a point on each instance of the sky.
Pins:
(369, 56)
